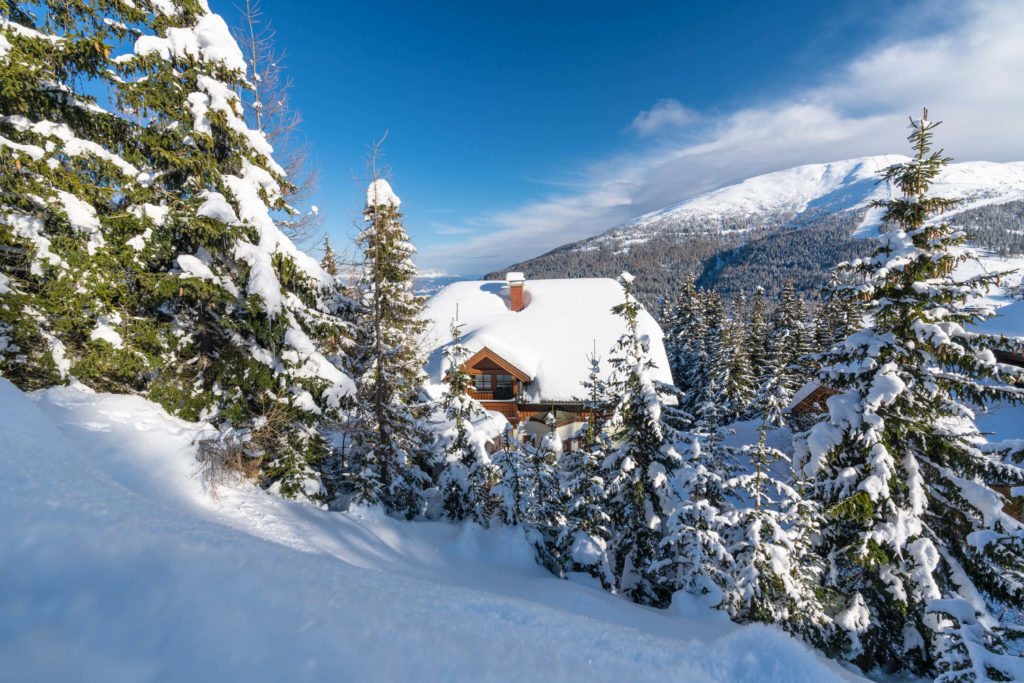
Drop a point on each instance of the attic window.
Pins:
(482, 382)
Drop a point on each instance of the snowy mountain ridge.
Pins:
(828, 187)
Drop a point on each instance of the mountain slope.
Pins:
(788, 224)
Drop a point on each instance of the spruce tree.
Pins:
(548, 510)
(773, 571)
(168, 277)
(582, 486)
(918, 544)
(637, 471)
(733, 372)
(244, 313)
(329, 262)
(463, 476)
(391, 444)
(68, 174)
(512, 489)
(756, 338)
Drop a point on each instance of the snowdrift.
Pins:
(118, 565)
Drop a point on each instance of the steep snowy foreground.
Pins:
(118, 565)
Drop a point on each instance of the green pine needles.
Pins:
(916, 540)
(137, 246)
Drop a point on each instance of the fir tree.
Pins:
(773, 570)
(916, 540)
(757, 332)
(732, 369)
(390, 442)
(685, 339)
(244, 312)
(582, 487)
(693, 555)
(169, 277)
(463, 477)
(637, 471)
(548, 504)
(512, 488)
(330, 260)
(68, 174)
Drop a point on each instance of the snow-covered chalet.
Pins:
(530, 343)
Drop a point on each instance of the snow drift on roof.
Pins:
(563, 323)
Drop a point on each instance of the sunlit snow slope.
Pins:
(835, 186)
(116, 565)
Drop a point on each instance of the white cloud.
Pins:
(445, 229)
(667, 113)
(968, 76)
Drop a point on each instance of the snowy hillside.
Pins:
(119, 566)
(831, 187)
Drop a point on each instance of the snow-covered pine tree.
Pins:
(685, 332)
(917, 542)
(734, 375)
(692, 555)
(769, 580)
(709, 359)
(756, 336)
(390, 442)
(806, 347)
(636, 473)
(582, 487)
(70, 169)
(548, 505)
(839, 313)
(329, 262)
(675, 321)
(149, 281)
(512, 489)
(242, 313)
(463, 476)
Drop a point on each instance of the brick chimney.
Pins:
(516, 283)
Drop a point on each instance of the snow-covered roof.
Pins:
(803, 392)
(549, 340)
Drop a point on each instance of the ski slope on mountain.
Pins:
(119, 566)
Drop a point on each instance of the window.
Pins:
(482, 382)
(504, 387)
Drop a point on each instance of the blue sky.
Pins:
(516, 127)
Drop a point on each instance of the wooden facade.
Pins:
(500, 386)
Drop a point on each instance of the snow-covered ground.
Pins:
(116, 564)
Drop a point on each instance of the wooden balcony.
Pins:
(507, 408)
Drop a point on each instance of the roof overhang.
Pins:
(486, 353)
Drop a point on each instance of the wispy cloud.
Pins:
(667, 113)
(444, 229)
(967, 75)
